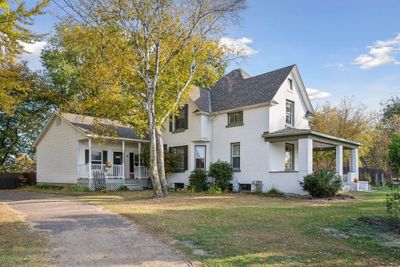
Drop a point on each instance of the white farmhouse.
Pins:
(260, 124)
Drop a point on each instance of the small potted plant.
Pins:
(355, 180)
(108, 164)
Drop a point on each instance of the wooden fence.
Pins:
(376, 177)
(14, 180)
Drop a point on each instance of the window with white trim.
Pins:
(235, 119)
(235, 156)
(97, 157)
(289, 113)
(289, 157)
(200, 157)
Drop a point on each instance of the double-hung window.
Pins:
(289, 113)
(235, 119)
(97, 157)
(179, 122)
(200, 157)
(289, 157)
(180, 163)
(235, 156)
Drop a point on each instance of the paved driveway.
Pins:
(85, 235)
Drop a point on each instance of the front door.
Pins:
(117, 158)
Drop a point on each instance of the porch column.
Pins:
(305, 156)
(339, 160)
(354, 161)
(123, 159)
(139, 163)
(90, 157)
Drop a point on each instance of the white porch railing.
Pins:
(115, 171)
(141, 172)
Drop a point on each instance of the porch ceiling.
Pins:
(322, 141)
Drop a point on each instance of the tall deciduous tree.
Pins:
(14, 19)
(348, 120)
(394, 154)
(19, 129)
(389, 124)
(146, 54)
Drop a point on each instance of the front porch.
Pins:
(297, 161)
(117, 161)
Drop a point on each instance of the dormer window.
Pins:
(235, 119)
(290, 84)
(289, 113)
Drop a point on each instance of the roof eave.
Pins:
(311, 133)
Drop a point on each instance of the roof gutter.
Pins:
(117, 138)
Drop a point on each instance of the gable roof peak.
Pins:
(234, 90)
(237, 74)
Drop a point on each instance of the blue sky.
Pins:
(345, 48)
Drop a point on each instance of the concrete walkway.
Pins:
(85, 235)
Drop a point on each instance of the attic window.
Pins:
(290, 84)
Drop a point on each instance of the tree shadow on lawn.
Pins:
(255, 235)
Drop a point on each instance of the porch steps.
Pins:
(134, 187)
(136, 184)
(349, 187)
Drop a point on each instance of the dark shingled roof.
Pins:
(92, 126)
(237, 89)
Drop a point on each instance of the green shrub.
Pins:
(394, 154)
(222, 173)
(393, 203)
(214, 190)
(47, 187)
(123, 187)
(273, 192)
(322, 184)
(198, 180)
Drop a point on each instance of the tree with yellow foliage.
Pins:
(145, 55)
(13, 33)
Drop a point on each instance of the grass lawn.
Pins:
(246, 229)
(19, 246)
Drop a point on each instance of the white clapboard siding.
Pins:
(57, 153)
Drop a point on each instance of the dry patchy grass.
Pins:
(19, 245)
(245, 229)
(254, 230)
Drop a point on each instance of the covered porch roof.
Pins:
(321, 141)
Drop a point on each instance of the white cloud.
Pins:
(339, 66)
(380, 53)
(33, 49)
(317, 94)
(237, 47)
(32, 53)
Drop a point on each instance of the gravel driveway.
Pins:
(86, 235)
